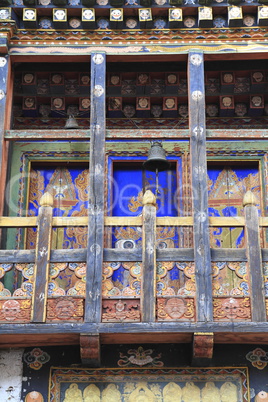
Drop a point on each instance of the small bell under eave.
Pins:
(71, 123)
(157, 160)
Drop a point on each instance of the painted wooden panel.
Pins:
(69, 187)
(125, 199)
(193, 385)
(226, 189)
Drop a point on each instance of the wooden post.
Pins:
(42, 258)
(258, 310)
(4, 73)
(197, 127)
(148, 257)
(96, 185)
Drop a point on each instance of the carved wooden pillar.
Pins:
(42, 258)
(197, 127)
(148, 257)
(96, 186)
(258, 311)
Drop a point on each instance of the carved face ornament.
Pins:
(64, 309)
(175, 308)
(11, 309)
(231, 308)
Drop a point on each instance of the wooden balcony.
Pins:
(38, 311)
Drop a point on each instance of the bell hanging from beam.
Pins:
(71, 123)
(157, 160)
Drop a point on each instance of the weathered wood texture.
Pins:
(22, 340)
(42, 257)
(4, 71)
(242, 327)
(203, 345)
(96, 185)
(90, 350)
(232, 133)
(197, 119)
(148, 258)
(112, 254)
(258, 310)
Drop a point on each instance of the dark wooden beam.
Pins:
(258, 309)
(148, 293)
(197, 127)
(96, 188)
(90, 350)
(41, 339)
(228, 254)
(229, 328)
(112, 254)
(42, 257)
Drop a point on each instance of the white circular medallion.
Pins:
(3, 61)
(197, 95)
(196, 59)
(98, 58)
(98, 90)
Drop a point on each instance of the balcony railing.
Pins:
(143, 284)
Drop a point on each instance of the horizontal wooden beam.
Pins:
(228, 254)
(226, 221)
(122, 220)
(213, 221)
(244, 327)
(12, 135)
(14, 221)
(263, 221)
(58, 221)
(34, 339)
(113, 254)
(18, 222)
(175, 221)
(69, 221)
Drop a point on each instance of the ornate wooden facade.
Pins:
(93, 251)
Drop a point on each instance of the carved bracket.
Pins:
(90, 350)
(203, 345)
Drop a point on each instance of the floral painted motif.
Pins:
(121, 279)
(230, 279)
(3, 269)
(140, 357)
(36, 358)
(258, 358)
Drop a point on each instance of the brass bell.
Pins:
(71, 123)
(157, 161)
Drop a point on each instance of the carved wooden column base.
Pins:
(90, 350)
(202, 348)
